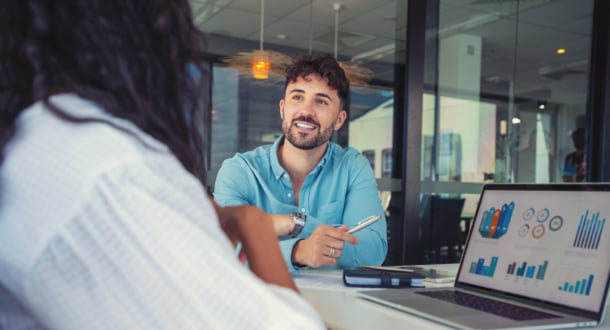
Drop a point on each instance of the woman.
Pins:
(105, 221)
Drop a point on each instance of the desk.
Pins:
(340, 307)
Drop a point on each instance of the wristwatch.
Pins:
(299, 222)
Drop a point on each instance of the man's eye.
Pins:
(297, 97)
(322, 102)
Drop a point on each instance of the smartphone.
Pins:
(364, 223)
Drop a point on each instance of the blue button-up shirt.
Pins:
(341, 189)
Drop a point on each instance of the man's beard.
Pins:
(306, 141)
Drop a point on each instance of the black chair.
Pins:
(441, 230)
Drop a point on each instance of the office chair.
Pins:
(441, 230)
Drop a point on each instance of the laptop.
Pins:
(536, 257)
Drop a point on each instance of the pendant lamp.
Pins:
(260, 64)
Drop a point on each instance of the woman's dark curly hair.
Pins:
(323, 65)
(141, 60)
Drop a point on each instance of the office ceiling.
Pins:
(371, 31)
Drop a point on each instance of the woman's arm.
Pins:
(254, 229)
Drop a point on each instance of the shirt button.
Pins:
(289, 195)
(303, 210)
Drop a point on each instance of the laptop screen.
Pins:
(548, 242)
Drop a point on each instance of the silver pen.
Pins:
(364, 223)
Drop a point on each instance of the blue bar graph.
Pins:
(580, 287)
(589, 231)
(480, 268)
(528, 271)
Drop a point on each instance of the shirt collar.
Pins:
(279, 171)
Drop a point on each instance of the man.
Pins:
(313, 188)
(105, 220)
(575, 163)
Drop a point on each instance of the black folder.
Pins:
(372, 278)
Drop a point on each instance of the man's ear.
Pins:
(282, 109)
(340, 119)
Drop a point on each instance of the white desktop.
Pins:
(341, 308)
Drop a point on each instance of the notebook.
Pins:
(537, 257)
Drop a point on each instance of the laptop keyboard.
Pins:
(496, 307)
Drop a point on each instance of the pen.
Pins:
(364, 223)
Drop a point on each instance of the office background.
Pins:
(461, 93)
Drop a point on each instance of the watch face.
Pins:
(299, 221)
(298, 218)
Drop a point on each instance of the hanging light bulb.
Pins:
(260, 60)
(260, 64)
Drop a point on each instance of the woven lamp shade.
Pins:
(259, 64)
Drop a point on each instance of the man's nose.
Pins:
(308, 107)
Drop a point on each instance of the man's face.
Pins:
(310, 112)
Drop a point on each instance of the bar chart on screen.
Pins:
(478, 267)
(527, 271)
(589, 232)
(579, 287)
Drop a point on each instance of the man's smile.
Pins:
(303, 125)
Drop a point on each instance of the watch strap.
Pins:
(299, 220)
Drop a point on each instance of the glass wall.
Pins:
(505, 96)
(507, 92)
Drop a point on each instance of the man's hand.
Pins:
(323, 247)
